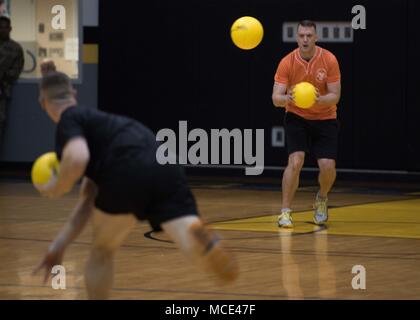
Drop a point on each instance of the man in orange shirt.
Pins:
(314, 129)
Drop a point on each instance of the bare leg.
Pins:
(202, 246)
(177, 230)
(327, 176)
(291, 177)
(109, 233)
(99, 274)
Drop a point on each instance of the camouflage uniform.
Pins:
(11, 65)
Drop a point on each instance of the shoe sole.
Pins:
(287, 226)
(320, 223)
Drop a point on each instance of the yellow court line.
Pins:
(395, 219)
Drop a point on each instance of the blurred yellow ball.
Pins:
(44, 168)
(305, 95)
(247, 33)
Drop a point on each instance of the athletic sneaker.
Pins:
(321, 210)
(216, 259)
(285, 219)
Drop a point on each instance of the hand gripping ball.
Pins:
(45, 168)
(304, 95)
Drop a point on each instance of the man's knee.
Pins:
(296, 161)
(326, 165)
(102, 252)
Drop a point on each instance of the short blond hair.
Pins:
(57, 86)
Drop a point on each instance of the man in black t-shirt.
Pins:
(122, 183)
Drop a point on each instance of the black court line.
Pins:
(264, 213)
(372, 237)
(305, 189)
(149, 235)
(309, 222)
(257, 250)
(326, 235)
(376, 222)
(33, 220)
(326, 254)
(279, 296)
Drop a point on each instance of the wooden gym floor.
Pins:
(375, 226)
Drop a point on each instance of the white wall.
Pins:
(23, 24)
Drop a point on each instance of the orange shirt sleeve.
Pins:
(334, 74)
(283, 71)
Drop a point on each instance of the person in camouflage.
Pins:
(11, 66)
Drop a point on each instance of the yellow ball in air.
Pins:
(247, 33)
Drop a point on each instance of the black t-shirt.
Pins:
(112, 140)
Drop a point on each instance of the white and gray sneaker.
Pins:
(321, 210)
(285, 219)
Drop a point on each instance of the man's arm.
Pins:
(73, 165)
(280, 98)
(79, 216)
(73, 227)
(333, 96)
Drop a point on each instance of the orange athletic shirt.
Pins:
(323, 68)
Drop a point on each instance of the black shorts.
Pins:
(151, 191)
(317, 136)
